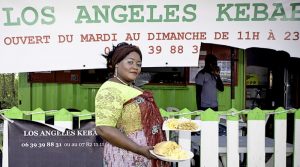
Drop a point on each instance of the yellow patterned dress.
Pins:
(119, 106)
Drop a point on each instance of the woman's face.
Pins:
(130, 67)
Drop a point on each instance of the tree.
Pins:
(8, 90)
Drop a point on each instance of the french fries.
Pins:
(181, 124)
(171, 150)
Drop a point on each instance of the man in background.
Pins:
(208, 82)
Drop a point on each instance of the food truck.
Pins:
(172, 86)
(252, 79)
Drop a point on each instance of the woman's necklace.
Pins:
(123, 82)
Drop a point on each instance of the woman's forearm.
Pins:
(117, 138)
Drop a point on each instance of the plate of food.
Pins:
(182, 124)
(170, 151)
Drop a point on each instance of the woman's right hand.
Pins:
(145, 151)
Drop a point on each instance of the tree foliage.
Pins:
(8, 91)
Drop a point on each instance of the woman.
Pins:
(126, 116)
(208, 82)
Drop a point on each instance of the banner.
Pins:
(31, 144)
(52, 35)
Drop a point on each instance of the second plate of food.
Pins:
(182, 124)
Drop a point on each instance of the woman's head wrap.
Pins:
(119, 52)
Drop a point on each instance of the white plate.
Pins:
(198, 122)
(163, 158)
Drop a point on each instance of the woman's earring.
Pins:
(116, 72)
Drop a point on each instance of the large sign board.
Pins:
(28, 143)
(69, 34)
